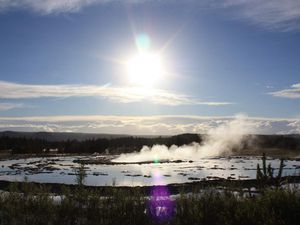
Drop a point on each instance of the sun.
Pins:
(145, 69)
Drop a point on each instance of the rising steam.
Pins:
(220, 140)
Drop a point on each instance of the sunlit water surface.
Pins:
(63, 170)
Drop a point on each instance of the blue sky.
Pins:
(62, 65)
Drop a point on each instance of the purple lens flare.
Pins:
(160, 206)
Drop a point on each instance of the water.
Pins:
(63, 169)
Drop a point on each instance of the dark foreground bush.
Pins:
(36, 206)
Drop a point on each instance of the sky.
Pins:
(149, 66)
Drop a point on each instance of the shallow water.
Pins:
(63, 170)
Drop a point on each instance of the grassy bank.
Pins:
(81, 206)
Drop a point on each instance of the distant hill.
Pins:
(64, 136)
(59, 136)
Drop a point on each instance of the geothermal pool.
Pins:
(63, 170)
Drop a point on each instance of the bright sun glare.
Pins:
(145, 69)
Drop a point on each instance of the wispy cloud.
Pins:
(292, 92)
(8, 106)
(281, 15)
(272, 14)
(144, 125)
(47, 6)
(9, 90)
(56, 6)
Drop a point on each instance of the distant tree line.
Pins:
(24, 145)
(291, 142)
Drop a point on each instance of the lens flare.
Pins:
(156, 159)
(143, 42)
(160, 206)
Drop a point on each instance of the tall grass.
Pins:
(81, 206)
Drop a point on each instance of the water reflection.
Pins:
(61, 170)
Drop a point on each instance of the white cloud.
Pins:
(145, 125)
(295, 125)
(10, 90)
(292, 92)
(8, 106)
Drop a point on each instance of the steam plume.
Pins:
(220, 140)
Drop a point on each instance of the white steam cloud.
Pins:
(220, 140)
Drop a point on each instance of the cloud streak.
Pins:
(47, 6)
(293, 92)
(8, 106)
(145, 125)
(270, 14)
(9, 90)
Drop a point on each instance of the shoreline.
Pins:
(175, 188)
